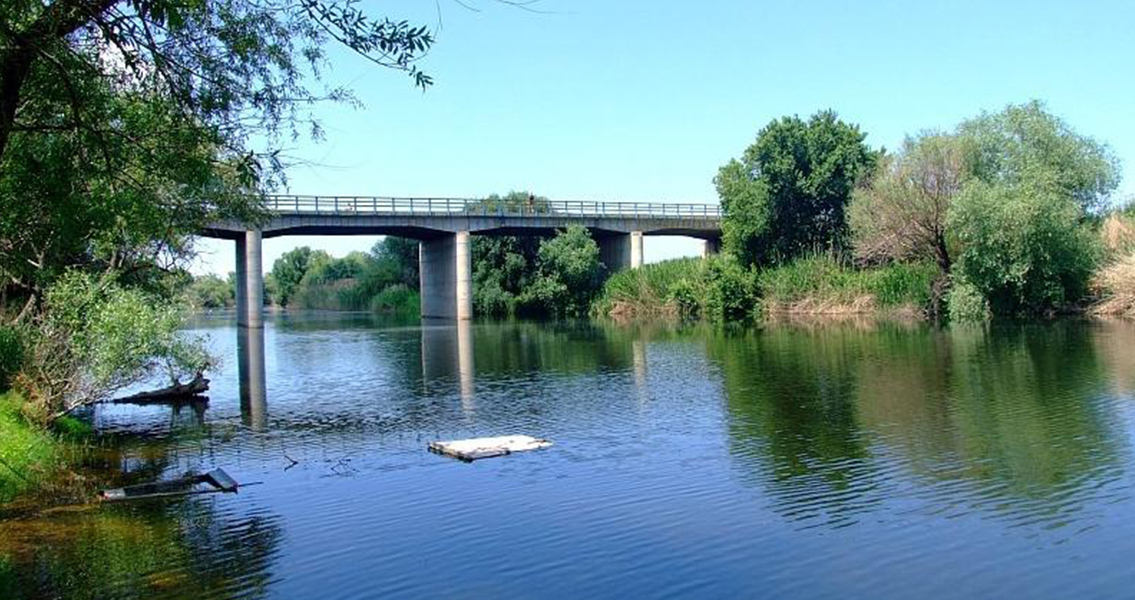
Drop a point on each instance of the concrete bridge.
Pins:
(443, 227)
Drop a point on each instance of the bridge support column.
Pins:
(621, 251)
(636, 249)
(445, 272)
(711, 246)
(249, 281)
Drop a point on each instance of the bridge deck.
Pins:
(375, 205)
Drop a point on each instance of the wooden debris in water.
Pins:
(217, 479)
(473, 449)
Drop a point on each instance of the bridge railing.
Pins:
(371, 205)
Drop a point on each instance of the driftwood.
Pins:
(181, 392)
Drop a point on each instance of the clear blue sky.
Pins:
(643, 101)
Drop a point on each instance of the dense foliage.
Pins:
(125, 127)
(788, 193)
(210, 292)
(95, 337)
(385, 279)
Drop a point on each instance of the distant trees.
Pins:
(534, 275)
(210, 292)
(306, 278)
(289, 270)
(568, 275)
(787, 194)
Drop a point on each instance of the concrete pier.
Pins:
(621, 251)
(249, 280)
(636, 249)
(446, 277)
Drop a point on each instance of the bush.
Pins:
(966, 304)
(95, 337)
(1025, 248)
(11, 355)
(398, 299)
(717, 289)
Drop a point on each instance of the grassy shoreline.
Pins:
(35, 459)
(718, 289)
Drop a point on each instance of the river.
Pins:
(881, 461)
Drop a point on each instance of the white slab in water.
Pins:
(488, 447)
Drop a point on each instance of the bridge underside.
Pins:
(445, 248)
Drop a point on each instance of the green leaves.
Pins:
(787, 194)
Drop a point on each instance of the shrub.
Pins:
(95, 337)
(397, 299)
(1024, 248)
(11, 355)
(966, 304)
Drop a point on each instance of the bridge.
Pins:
(443, 227)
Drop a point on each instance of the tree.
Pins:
(504, 266)
(127, 125)
(787, 194)
(289, 270)
(401, 256)
(900, 214)
(1025, 247)
(1022, 220)
(1025, 144)
(569, 274)
(210, 291)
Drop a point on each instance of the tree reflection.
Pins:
(837, 421)
(192, 548)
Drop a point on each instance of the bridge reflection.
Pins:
(253, 379)
(447, 356)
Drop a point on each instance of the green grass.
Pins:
(647, 290)
(397, 299)
(823, 281)
(27, 453)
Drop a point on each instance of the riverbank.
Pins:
(718, 289)
(36, 460)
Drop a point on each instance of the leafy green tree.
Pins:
(400, 255)
(569, 275)
(290, 269)
(126, 126)
(210, 291)
(504, 266)
(1022, 221)
(1025, 248)
(787, 194)
(1025, 144)
(96, 337)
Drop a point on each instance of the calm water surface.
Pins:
(847, 461)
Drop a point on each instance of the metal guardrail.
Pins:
(372, 205)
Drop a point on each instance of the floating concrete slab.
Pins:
(473, 449)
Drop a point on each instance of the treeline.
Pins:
(1008, 214)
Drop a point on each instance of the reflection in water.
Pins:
(253, 384)
(872, 461)
(838, 423)
(184, 550)
(447, 356)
